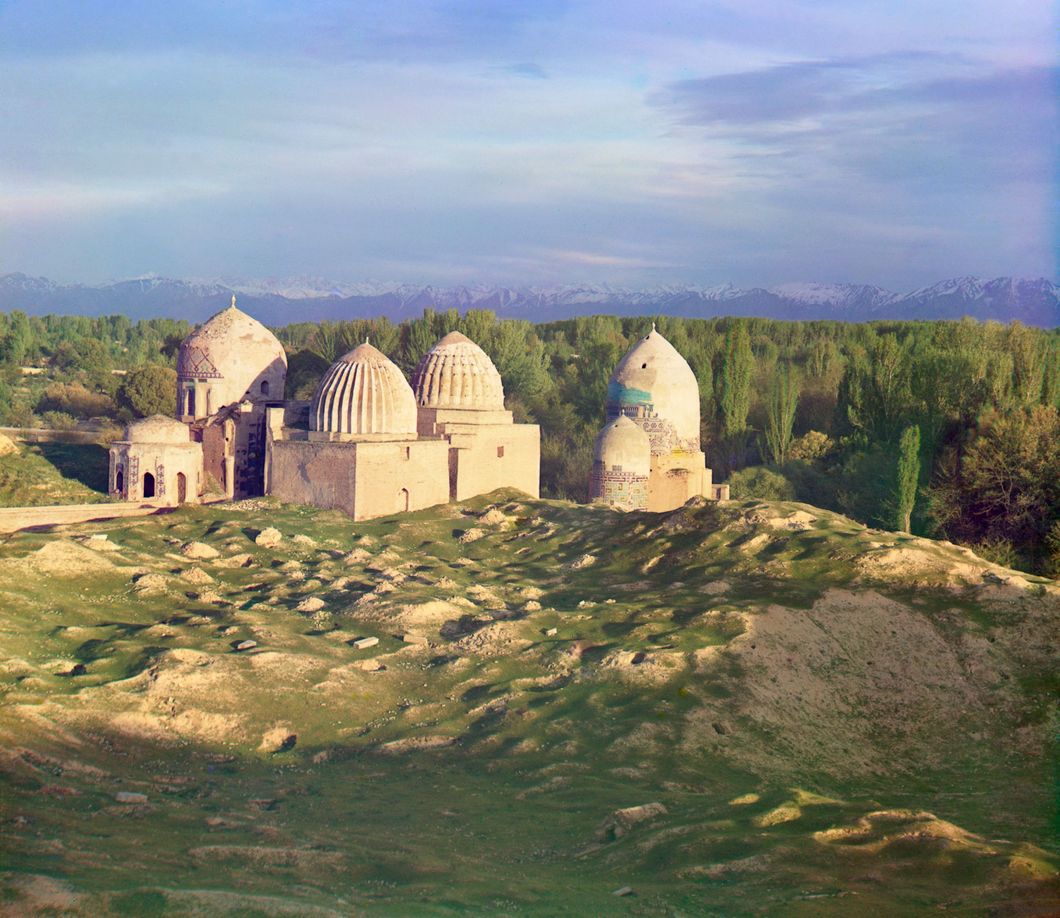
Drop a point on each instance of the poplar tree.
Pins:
(780, 414)
(907, 477)
(734, 395)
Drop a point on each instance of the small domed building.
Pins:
(157, 462)
(653, 387)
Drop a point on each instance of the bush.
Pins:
(76, 400)
(150, 389)
(810, 446)
(58, 420)
(998, 551)
(760, 482)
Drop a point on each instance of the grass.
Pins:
(41, 474)
(544, 734)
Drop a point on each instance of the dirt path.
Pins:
(12, 519)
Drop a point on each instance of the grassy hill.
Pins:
(39, 474)
(756, 708)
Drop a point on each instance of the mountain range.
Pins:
(282, 301)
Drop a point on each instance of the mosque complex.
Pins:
(370, 444)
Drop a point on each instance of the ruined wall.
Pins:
(676, 478)
(488, 457)
(365, 480)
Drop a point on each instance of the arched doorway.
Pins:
(149, 485)
(119, 482)
(182, 488)
(403, 500)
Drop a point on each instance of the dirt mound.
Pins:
(7, 446)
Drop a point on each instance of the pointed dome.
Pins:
(654, 385)
(622, 444)
(364, 392)
(157, 429)
(456, 373)
(237, 355)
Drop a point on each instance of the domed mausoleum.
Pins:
(370, 444)
(367, 443)
(157, 462)
(364, 394)
(653, 387)
(621, 465)
(226, 360)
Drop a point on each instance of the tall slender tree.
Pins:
(734, 391)
(780, 414)
(907, 476)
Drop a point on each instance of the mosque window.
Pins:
(264, 387)
(408, 453)
(500, 452)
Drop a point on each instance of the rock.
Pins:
(532, 606)
(620, 822)
(199, 551)
(278, 739)
(470, 535)
(269, 537)
(130, 797)
(365, 642)
(623, 891)
(493, 517)
(246, 645)
(302, 539)
(196, 575)
(78, 669)
(310, 604)
(583, 562)
(550, 632)
(7, 445)
(370, 666)
(410, 637)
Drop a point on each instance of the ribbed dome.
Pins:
(364, 393)
(655, 385)
(624, 444)
(456, 373)
(157, 429)
(235, 353)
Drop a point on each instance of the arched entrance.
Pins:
(149, 485)
(403, 500)
(182, 488)
(119, 482)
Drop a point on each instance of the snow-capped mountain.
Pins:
(279, 301)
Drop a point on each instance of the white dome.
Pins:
(157, 429)
(237, 356)
(624, 446)
(654, 385)
(363, 393)
(457, 373)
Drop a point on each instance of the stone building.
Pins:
(371, 445)
(368, 443)
(648, 456)
(157, 462)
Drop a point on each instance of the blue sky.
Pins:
(449, 142)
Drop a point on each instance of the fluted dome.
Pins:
(157, 429)
(654, 385)
(456, 373)
(622, 445)
(364, 393)
(236, 356)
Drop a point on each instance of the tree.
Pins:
(907, 476)
(780, 414)
(734, 389)
(150, 389)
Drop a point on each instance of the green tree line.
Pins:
(947, 429)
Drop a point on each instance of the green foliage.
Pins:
(758, 481)
(150, 389)
(76, 400)
(811, 446)
(780, 415)
(734, 385)
(907, 476)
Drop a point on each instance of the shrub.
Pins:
(811, 445)
(150, 389)
(76, 400)
(760, 482)
(58, 420)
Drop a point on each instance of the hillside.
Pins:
(1031, 301)
(756, 708)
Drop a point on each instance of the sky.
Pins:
(752, 142)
